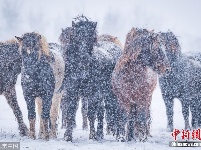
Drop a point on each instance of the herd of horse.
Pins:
(112, 81)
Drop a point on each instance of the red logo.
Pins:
(186, 134)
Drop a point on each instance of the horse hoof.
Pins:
(68, 138)
(99, 138)
(92, 137)
(54, 135)
(46, 138)
(120, 139)
(23, 130)
(32, 136)
(144, 140)
(169, 129)
(84, 127)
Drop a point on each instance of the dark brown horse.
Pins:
(38, 78)
(10, 68)
(135, 78)
(182, 82)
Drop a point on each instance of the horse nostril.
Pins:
(168, 69)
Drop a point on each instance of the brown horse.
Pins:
(135, 77)
(10, 68)
(110, 38)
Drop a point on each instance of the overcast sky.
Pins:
(115, 17)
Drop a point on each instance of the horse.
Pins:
(38, 78)
(110, 38)
(182, 82)
(58, 69)
(103, 39)
(10, 68)
(64, 39)
(134, 80)
(87, 75)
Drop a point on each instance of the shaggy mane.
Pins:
(44, 47)
(130, 51)
(8, 42)
(110, 38)
(65, 35)
(170, 37)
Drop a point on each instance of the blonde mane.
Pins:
(110, 38)
(44, 47)
(8, 42)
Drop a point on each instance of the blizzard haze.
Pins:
(115, 17)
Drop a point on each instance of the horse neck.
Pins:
(138, 68)
(174, 59)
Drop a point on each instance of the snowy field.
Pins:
(159, 141)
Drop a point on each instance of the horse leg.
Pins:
(194, 112)
(132, 119)
(63, 108)
(169, 111)
(71, 100)
(92, 116)
(54, 114)
(74, 121)
(84, 113)
(39, 103)
(110, 107)
(148, 117)
(121, 122)
(12, 101)
(185, 112)
(100, 116)
(199, 114)
(30, 100)
(148, 124)
(46, 106)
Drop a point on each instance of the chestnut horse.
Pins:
(134, 80)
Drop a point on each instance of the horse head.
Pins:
(34, 50)
(64, 37)
(171, 46)
(144, 46)
(84, 34)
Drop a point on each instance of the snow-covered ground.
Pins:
(159, 141)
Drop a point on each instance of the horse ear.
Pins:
(73, 23)
(95, 24)
(62, 29)
(152, 32)
(39, 36)
(18, 38)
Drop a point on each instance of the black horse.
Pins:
(10, 68)
(88, 71)
(37, 78)
(182, 82)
